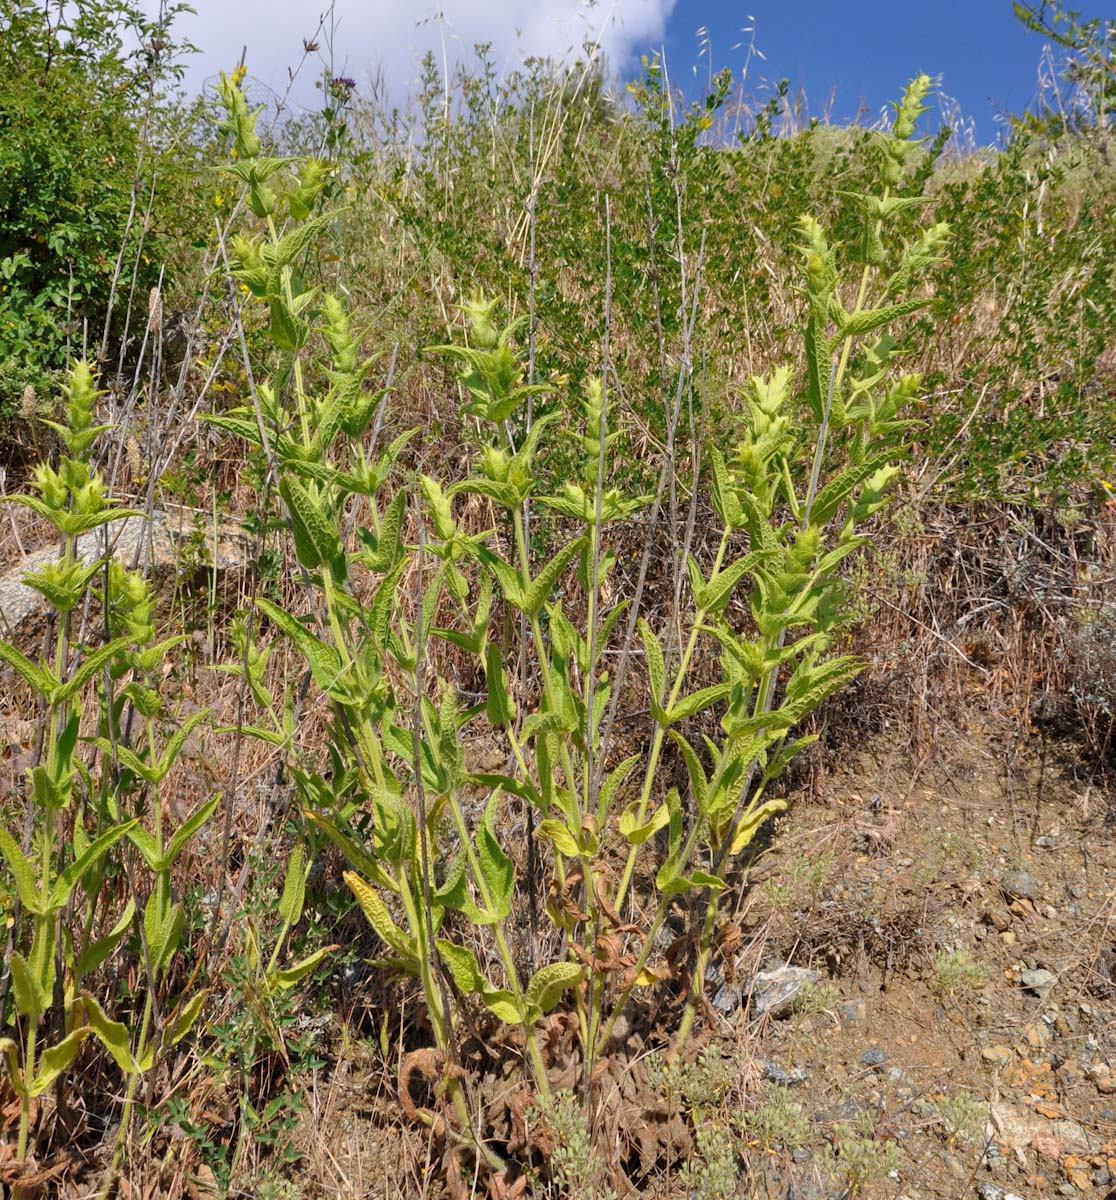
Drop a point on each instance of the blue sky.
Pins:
(868, 49)
(865, 49)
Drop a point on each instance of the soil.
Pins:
(960, 1040)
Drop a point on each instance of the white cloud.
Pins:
(388, 37)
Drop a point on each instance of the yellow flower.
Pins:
(239, 74)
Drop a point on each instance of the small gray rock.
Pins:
(774, 992)
(1019, 885)
(1039, 981)
(782, 1076)
(853, 1012)
(848, 1110)
(874, 1057)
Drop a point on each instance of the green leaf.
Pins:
(355, 854)
(496, 867)
(382, 608)
(749, 824)
(294, 887)
(379, 918)
(42, 681)
(242, 427)
(22, 873)
(695, 702)
(10, 1052)
(699, 783)
(189, 827)
(175, 743)
(287, 977)
(98, 951)
(389, 547)
(611, 786)
(830, 498)
(55, 1060)
(462, 965)
(503, 1006)
(89, 667)
(543, 584)
(499, 705)
(284, 252)
(543, 723)
(113, 1035)
(523, 788)
(147, 846)
(506, 494)
(874, 318)
(715, 595)
(30, 998)
(548, 984)
(324, 661)
(636, 834)
(159, 928)
(316, 539)
(656, 667)
(723, 496)
(68, 878)
(509, 579)
(187, 1017)
(560, 836)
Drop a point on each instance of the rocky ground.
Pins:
(917, 1001)
(954, 934)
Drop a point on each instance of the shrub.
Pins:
(75, 109)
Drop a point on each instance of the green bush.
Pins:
(76, 109)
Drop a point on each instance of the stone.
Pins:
(1074, 1138)
(853, 1012)
(1008, 937)
(1036, 1036)
(874, 1057)
(997, 918)
(1039, 981)
(1102, 1077)
(1019, 885)
(774, 992)
(847, 1110)
(1045, 1142)
(998, 1056)
(782, 1076)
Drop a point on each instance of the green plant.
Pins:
(75, 820)
(714, 1172)
(780, 1121)
(962, 1116)
(575, 1164)
(78, 101)
(860, 1156)
(394, 800)
(957, 971)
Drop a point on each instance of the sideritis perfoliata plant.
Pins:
(85, 808)
(398, 574)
